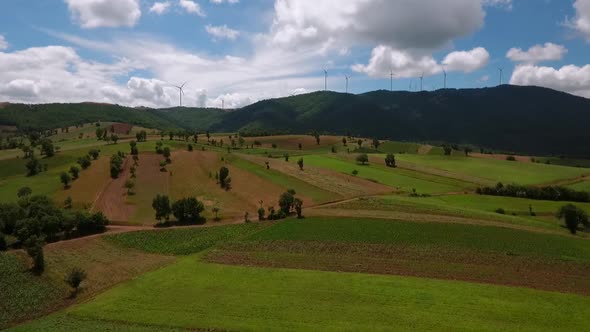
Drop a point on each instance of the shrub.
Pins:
(65, 179)
(24, 192)
(390, 160)
(84, 162)
(573, 217)
(510, 158)
(362, 158)
(355, 172)
(500, 211)
(74, 278)
(224, 179)
(75, 172)
(261, 213)
(161, 205)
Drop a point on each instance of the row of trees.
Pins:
(289, 204)
(116, 164)
(549, 193)
(187, 211)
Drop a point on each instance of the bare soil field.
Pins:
(111, 201)
(86, 190)
(344, 185)
(150, 181)
(440, 263)
(190, 176)
(291, 142)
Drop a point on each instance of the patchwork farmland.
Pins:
(375, 246)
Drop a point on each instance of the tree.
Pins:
(34, 248)
(74, 278)
(261, 213)
(224, 179)
(99, 133)
(241, 141)
(94, 153)
(130, 184)
(134, 150)
(316, 135)
(208, 135)
(362, 158)
(300, 146)
(300, 163)
(166, 153)
(190, 147)
(161, 204)
(448, 150)
(390, 160)
(65, 179)
(84, 162)
(216, 211)
(286, 201)
(188, 210)
(47, 148)
(344, 142)
(171, 135)
(286, 156)
(24, 192)
(114, 138)
(573, 217)
(467, 151)
(298, 204)
(75, 172)
(376, 143)
(116, 164)
(33, 166)
(360, 143)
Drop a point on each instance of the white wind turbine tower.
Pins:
(391, 74)
(421, 82)
(347, 79)
(325, 80)
(501, 70)
(445, 73)
(180, 91)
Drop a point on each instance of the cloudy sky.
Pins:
(133, 52)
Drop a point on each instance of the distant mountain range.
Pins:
(509, 118)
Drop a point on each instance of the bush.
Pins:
(75, 172)
(510, 158)
(539, 193)
(24, 192)
(87, 224)
(355, 172)
(94, 153)
(362, 158)
(74, 278)
(161, 204)
(573, 217)
(261, 213)
(84, 162)
(500, 211)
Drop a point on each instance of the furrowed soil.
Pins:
(150, 181)
(344, 185)
(291, 142)
(111, 201)
(85, 191)
(428, 262)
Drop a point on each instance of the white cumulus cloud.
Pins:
(467, 61)
(3, 43)
(581, 21)
(104, 13)
(222, 32)
(160, 7)
(537, 53)
(191, 7)
(570, 78)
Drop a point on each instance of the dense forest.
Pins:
(508, 118)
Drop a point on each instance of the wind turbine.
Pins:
(347, 78)
(501, 74)
(421, 82)
(445, 73)
(325, 80)
(391, 82)
(180, 91)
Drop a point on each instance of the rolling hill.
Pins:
(509, 118)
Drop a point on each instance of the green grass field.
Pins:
(497, 170)
(397, 178)
(317, 194)
(191, 294)
(183, 241)
(472, 237)
(581, 186)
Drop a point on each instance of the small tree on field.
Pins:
(298, 204)
(344, 142)
(300, 163)
(286, 157)
(114, 138)
(355, 172)
(65, 179)
(300, 146)
(161, 205)
(362, 158)
(94, 153)
(216, 211)
(390, 160)
(74, 278)
(573, 217)
(467, 151)
(130, 184)
(286, 201)
(166, 153)
(33, 166)
(163, 165)
(134, 151)
(190, 147)
(261, 213)
(359, 143)
(75, 172)
(376, 143)
(84, 162)
(448, 150)
(24, 192)
(34, 248)
(224, 179)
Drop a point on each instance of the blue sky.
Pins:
(133, 52)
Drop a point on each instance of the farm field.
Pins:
(215, 295)
(583, 186)
(403, 240)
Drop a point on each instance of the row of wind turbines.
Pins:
(392, 75)
(347, 78)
